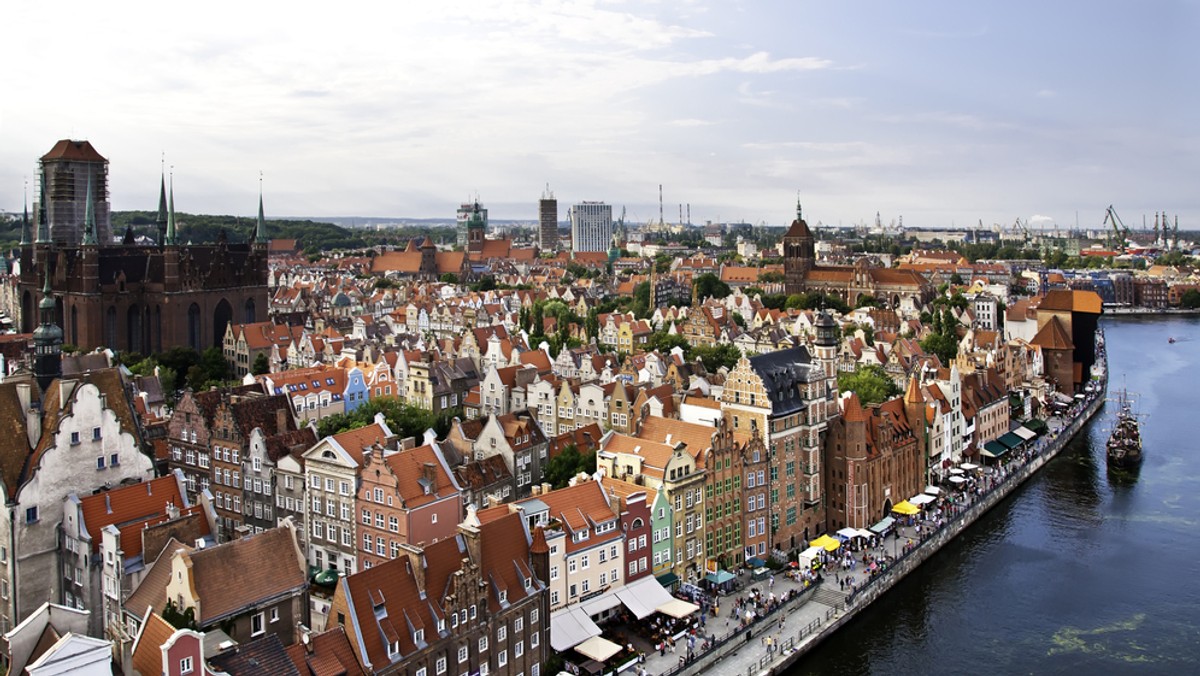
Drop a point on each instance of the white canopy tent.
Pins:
(864, 533)
(598, 648)
(933, 490)
(969, 466)
(571, 626)
(957, 480)
(921, 499)
(849, 533)
(678, 608)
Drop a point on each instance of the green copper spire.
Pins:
(47, 300)
(162, 201)
(43, 232)
(171, 216)
(89, 219)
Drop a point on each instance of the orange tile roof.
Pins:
(409, 468)
(697, 437)
(147, 654)
(129, 508)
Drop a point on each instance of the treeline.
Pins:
(204, 228)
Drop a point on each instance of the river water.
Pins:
(1079, 571)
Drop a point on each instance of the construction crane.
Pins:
(1120, 232)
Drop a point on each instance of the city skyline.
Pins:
(940, 113)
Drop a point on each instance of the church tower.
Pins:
(47, 341)
(798, 253)
(475, 229)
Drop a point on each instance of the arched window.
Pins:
(249, 312)
(110, 326)
(194, 327)
(133, 329)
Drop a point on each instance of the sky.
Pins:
(936, 113)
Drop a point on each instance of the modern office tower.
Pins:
(591, 226)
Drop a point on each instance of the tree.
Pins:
(567, 464)
(770, 277)
(261, 364)
(180, 620)
(725, 354)
(709, 285)
(449, 278)
(1190, 299)
(871, 383)
(738, 319)
(592, 325)
(403, 419)
(664, 342)
(641, 300)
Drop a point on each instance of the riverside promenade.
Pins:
(776, 640)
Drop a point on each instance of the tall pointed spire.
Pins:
(26, 235)
(799, 211)
(89, 219)
(260, 228)
(170, 239)
(43, 231)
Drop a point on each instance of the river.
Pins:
(1081, 570)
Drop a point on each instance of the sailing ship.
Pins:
(1125, 441)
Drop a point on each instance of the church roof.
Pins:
(68, 149)
(799, 229)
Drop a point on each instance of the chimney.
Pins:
(281, 419)
(108, 503)
(172, 511)
(429, 473)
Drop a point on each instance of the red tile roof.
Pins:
(129, 508)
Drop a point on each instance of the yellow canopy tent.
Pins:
(826, 542)
(906, 508)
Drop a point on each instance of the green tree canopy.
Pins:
(709, 285)
(871, 383)
(261, 364)
(403, 419)
(568, 463)
(725, 354)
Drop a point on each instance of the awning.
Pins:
(864, 533)
(598, 648)
(755, 562)
(906, 508)
(993, 449)
(933, 490)
(667, 579)
(955, 470)
(569, 627)
(969, 466)
(643, 597)
(678, 608)
(719, 577)
(1010, 440)
(957, 480)
(828, 543)
(599, 604)
(921, 499)
(1037, 425)
(883, 524)
(1025, 433)
(849, 533)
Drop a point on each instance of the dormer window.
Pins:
(503, 596)
(419, 636)
(394, 649)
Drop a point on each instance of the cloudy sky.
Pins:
(940, 112)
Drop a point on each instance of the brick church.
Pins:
(129, 296)
(802, 274)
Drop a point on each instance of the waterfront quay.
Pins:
(779, 637)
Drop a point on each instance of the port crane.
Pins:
(1120, 232)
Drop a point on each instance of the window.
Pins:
(256, 463)
(394, 524)
(257, 626)
(483, 644)
(100, 462)
(329, 485)
(185, 665)
(462, 653)
(344, 487)
(31, 514)
(440, 666)
(519, 649)
(502, 658)
(74, 438)
(316, 483)
(534, 641)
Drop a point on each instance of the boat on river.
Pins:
(1125, 440)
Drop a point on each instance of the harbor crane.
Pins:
(1120, 232)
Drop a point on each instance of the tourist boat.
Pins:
(1125, 441)
(1171, 340)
